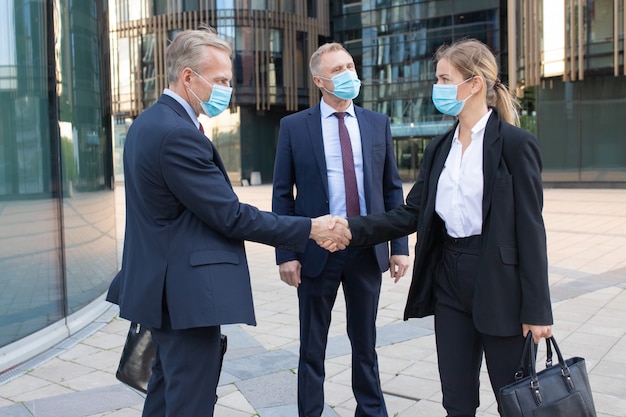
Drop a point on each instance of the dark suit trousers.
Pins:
(460, 346)
(185, 372)
(358, 272)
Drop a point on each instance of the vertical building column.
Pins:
(574, 40)
(615, 38)
(532, 42)
(512, 43)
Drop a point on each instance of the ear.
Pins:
(317, 81)
(185, 75)
(478, 83)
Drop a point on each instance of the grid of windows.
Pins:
(393, 43)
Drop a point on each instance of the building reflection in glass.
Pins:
(57, 209)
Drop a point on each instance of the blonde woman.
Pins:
(480, 259)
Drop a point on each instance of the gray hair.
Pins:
(189, 48)
(316, 58)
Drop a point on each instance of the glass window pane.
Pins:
(88, 203)
(30, 284)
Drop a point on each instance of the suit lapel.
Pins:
(217, 159)
(439, 159)
(314, 129)
(492, 152)
(176, 107)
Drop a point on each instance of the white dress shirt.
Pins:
(334, 162)
(459, 199)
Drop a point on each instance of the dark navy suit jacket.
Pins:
(185, 228)
(512, 277)
(300, 161)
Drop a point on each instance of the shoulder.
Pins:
(504, 128)
(165, 111)
(370, 114)
(302, 114)
(515, 137)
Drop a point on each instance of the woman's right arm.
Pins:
(382, 227)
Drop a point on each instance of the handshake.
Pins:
(331, 232)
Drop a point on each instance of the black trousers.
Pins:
(185, 372)
(460, 346)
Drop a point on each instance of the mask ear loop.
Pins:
(471, 94)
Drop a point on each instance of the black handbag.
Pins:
(135, 367)
(556, 391)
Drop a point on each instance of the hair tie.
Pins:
(497, 83)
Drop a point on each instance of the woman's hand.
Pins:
(539, 331)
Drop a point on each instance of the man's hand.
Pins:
(331, 233)
(290, 272)
(398, 265)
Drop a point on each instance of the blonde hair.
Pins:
(316, 58)
(473, 58)
(188, 49)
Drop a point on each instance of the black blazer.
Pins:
(512, 284)
(185, 228)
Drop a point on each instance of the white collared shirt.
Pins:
(334, 162)
(459, 199)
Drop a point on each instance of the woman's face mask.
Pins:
(346, 85)
(444, 98)
(218, 101)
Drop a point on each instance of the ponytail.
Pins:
(505, 102)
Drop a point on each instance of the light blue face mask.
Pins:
(347, 85)
(444, 98)
(218, 101)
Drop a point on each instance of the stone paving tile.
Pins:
(84, 403)
(586, 236)
(16, 411)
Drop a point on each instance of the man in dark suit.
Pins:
(184, 270)
(340, 159)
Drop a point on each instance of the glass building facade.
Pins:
(272, 41)
(571, 57)
(57, 217)
(74, 75)
(564, 60)
(393, 43)
(568, 72)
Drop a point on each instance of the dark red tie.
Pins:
(200, 127)
(349, 176)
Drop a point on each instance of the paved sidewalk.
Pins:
(586, 241)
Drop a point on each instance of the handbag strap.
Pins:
(534, 379)
(565, 371)
(525, 360)
(548, 354)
